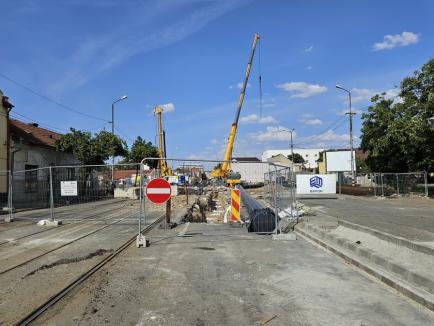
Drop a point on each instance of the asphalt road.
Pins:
(411, 218)
(218, 275)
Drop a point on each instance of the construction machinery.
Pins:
(164, 167)
(223, 170)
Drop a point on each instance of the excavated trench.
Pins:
(197, 213)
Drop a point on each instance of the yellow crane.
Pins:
(223, 170)
(164, 167)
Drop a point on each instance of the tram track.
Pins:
(33, 315)
(72, 222)
(64, 244)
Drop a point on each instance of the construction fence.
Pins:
(90, 192)
(386, 184)
(102, 192)
(281, 187)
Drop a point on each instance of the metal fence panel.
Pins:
(205, 199)
(388, 184)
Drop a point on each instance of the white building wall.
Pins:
(250, 172)
(309, 155)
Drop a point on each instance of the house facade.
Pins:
(5, 108)
(27, 150)
(33, 150)
(310, 155)
(282, 160)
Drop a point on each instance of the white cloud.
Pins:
(168, 107)
(329, 136)
(393, 93)
(392, 41)
(273, 133)
(309, 67)
(328, 139)
(365, 94)
(239, 85)
(311, 122)
(253, 118)
(214, 141)
(310, 48)
(302, 89)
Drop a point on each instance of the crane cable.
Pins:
(260, 79)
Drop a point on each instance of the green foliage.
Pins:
(361, 165)
(297, 158)
(140, 150)
(90, 149)
(399, 136)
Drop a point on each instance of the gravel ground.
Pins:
(24, 288)
(221, 275)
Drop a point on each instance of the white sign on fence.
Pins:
(312, 184)
(68, 188)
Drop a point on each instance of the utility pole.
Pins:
(351, 113)
(113, 127)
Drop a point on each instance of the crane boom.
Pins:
(223, 170)
(164, 167)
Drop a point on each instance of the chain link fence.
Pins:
(386, 184)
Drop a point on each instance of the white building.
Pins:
(251, 169)
(310, 155)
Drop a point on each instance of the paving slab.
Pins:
(410, 218)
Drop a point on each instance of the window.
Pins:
(31, 178)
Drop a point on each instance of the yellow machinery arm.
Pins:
(164, 167)
(223, 170)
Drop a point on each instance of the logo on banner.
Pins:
(316, 182)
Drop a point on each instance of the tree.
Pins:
(90, 149)
(297, 158)
(398, 135)
(140, 150)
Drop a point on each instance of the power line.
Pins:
(18, 115)
(50, 100)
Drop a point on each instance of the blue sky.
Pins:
(191, 54)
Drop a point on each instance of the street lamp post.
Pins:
(353, 176)
(113, 127)
(293, 204)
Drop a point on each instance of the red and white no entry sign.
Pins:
(158, 191)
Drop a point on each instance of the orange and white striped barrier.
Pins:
(235, 205)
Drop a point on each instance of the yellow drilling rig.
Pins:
(164, 167)
(223, 171)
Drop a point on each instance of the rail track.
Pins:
(87, 218)
(64, 244)
(32, 316)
